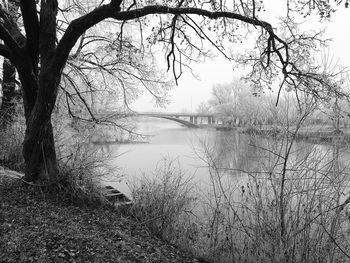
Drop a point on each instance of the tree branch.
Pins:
(78, 26)
(48, 13)
(10, 22)
(9, 41)
(4, 51)
(157, 9)
(31, 26)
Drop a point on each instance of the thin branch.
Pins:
(72, 83)
(112, 10)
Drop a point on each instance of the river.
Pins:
(191, 149)
(245, 200)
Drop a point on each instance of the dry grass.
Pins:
(163, 202)
(11, 140)
(81, 166)
(290, 208)
(293, 208)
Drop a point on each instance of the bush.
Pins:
(81, 165)
(82, 168)
(163, 202)
(290, 209)
(11, 139)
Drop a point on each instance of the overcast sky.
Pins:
(191, 91)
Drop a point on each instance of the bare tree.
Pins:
(204, 108)
(40, 54)
(323, 8)
(107, 63)
(237, 103)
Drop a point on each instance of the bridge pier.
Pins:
(211, 120)
(194, 119)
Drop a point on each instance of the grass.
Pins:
(291, 208)
(161, 203)
(82, 168)
(11, 143)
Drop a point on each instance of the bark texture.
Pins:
(39, 147)
(10, 95)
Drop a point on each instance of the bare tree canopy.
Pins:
(41, 44)
(323, 8)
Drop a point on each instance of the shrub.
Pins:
(11, 138)
(163, 202)
(82, 168)
(292, 208)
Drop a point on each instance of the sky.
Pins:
(190, 91)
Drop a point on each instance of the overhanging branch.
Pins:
(77, 27)
(112, 10)
(158, 9)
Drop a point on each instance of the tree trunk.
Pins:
(10, 95)
(39, 153)
(38, 146)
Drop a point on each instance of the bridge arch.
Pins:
(183, 122)
(178, 117)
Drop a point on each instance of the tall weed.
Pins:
(163, 202)
(11, 139)
(82, 166)
(292, 208)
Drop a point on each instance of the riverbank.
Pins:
(39, 226)
(311, 134)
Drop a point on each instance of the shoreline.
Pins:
(311, 135)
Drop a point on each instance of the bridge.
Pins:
(191, 120)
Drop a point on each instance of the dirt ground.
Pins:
(38, 227)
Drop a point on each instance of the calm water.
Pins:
(165, 140)
(192, 148)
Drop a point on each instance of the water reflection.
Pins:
(250, 189)
(233, 153)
